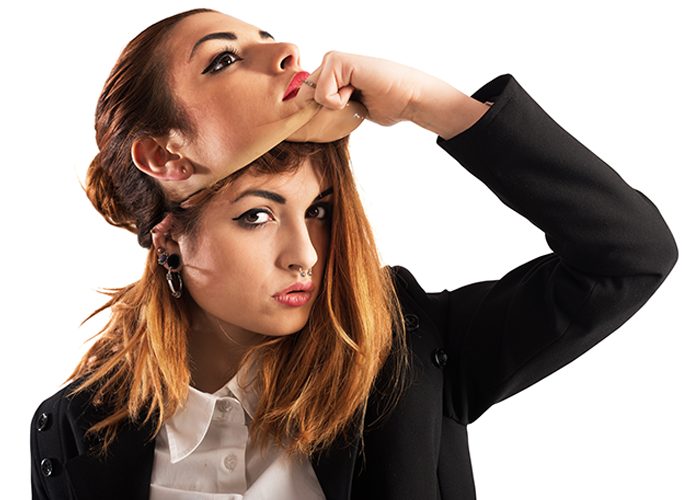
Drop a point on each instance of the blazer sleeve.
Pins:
(611, 251)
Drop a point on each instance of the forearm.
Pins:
(592, 218)
(444, 110)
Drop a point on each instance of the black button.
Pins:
(47, 467)
(43, 422)
(411, 321)
(439, 357)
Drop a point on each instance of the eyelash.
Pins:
(228, 51)
(253, 225)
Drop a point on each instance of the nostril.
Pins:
(285, 61)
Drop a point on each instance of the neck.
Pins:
(216, 349)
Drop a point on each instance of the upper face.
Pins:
(231, 78)
(254, 237)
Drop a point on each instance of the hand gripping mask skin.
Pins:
(313, 123)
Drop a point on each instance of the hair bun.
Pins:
(101, 191)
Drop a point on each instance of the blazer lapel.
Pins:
(124, 473)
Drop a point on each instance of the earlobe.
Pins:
(152, 156)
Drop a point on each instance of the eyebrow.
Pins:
(277, 198)
(224, 35)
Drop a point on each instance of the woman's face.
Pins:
(254, 237)
(231, 78)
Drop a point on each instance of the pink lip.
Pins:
(296, 299)
(295, 295)
(294, 85)
(306, 286)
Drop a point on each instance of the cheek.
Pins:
(234, 125)
(320, 238)
(205, 263)
(223, 269)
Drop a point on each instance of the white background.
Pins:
(621, 422)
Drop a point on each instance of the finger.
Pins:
(307, 92)
(330, 84)
(334, 85)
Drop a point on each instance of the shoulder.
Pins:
(64, 404)
(57, 435)
(415, 302)
(438, 306)
(60, 422)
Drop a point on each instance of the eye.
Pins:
(223, 59)
(254, 218)
(319, 211)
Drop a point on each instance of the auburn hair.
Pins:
(313, 385)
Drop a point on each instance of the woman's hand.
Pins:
(392, 92)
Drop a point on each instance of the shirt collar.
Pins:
(186, 429)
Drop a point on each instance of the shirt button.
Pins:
(230, 462)
(43, 422)
(224, 405)
(47, 467)
(439, 357)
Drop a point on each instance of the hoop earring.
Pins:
(171, 263)
(174, 283)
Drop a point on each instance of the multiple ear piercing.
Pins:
(172, 263)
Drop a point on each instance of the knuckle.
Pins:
(331, 56)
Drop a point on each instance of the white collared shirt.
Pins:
(203, 453)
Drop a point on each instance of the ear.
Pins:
(162, 236)
(159, 157)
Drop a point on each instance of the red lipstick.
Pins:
(295, 295)
(295, 85)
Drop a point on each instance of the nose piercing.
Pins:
(303, 273)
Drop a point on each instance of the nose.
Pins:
(298, 252)
(285, 57)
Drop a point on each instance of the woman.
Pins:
(265, 353)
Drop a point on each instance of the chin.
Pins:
(284, 328)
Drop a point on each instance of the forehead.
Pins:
(305, 173)
(189, 30)
(305, 180)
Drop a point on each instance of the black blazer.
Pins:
(471, 347)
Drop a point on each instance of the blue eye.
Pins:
(254, 218)
(225, 58)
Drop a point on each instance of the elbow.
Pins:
(672, 255)
(665, 255)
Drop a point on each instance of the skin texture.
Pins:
(232, 271)
(238, 103)
(240, 97)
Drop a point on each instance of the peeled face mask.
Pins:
(313, 123)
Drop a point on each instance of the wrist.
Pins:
(444, 110)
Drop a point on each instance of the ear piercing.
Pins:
(171, 262)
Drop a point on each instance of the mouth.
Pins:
(296, 288)
(295, 85)
(295, 295)
(294, 299)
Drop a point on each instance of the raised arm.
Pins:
(611, 251)
(611, 247)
